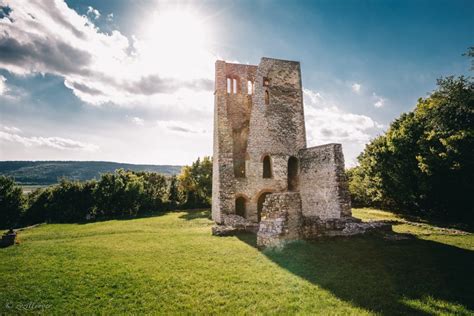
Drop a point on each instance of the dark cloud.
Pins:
(40, 55)
(326, 132)
(154, 84)
(58, 16)
(84, 88)
(336, 133)
(180, 129)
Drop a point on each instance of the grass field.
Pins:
(172, 264)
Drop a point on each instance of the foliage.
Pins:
(423, 165)
(195, 183)
(171, 265)
(470, 54)
(173, 191)
(11, 202)
(119, 194)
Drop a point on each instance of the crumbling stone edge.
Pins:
(274, 232)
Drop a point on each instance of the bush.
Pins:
(11, 203)
(123, 193)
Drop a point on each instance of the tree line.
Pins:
(424, 164)
(114, 195)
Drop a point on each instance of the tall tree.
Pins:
(424, 162)
(11, 202)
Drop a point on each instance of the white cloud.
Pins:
(52, 142)
(3, 85)
(378, 101)
(356, 87)
(41, 37)
(138, 121)
(94, 13)
(110, 17)
(327, 123)
(11, 129)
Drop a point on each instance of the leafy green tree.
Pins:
(37, 206)
(11, 202)
(424, 163)
(155, 191)
(120, 193)
(195, 183)
(173, 192)
(70, 201)
(470, 54)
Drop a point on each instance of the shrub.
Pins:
(11, 202)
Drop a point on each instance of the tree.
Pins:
(424, 163)
(173, 192)
(120, 193)
(195, 183)
(154, 191)
(470, 54)
(11, 202)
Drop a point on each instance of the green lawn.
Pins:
(172, 264)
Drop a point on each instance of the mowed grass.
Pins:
(172, 264)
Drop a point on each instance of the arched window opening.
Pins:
(240, 206)
(229, 85)
(267, 97)
(267, 167)
(292, 174)
(234, 85)
(249, 87)
(260, 201)
(266, 82)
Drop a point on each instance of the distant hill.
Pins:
(49, 172)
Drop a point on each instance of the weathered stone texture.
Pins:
(259, 113)
(323, 185)
(281, 219)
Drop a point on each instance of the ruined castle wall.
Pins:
(323, 186)
(269, 121)
(281, 219)
(231, 127)
(276, 129)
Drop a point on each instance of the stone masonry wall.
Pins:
(281, 220)
(231, 121)
(323, 185)
(247, 129)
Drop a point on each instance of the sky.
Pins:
(132, 81)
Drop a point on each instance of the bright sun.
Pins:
(176, 41)
(179, 29)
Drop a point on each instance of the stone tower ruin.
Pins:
(265, 179)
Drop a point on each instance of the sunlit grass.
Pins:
(172, 264)
(422, 230)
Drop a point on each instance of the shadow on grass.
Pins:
(381, 275)
(195, 214)
(463, 225)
